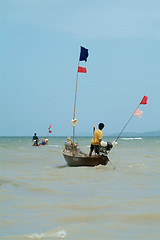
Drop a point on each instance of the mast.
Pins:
(75, 99)
(83, 57)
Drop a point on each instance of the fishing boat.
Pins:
(71, 152)
(76, 158)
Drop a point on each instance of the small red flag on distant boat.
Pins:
(144, 100)
(50, 128)
(82, 69)
(138, 113)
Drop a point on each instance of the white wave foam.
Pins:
(53, 145)
(136, 138)
(138, 165)
(100, 166)
(50, 234)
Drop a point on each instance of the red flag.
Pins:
(49, 129)
(144, 100)
(138, 113)
(82, 69)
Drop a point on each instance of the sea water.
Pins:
(42, 198)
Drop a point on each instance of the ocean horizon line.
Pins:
(127, 134)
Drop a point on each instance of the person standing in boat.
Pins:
(96, 140)
(35, 139)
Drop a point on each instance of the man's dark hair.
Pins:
(101, 126)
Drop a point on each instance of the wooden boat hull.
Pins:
(77, 161)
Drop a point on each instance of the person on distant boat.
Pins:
(96, 140)
(44, 142)
(35, 139)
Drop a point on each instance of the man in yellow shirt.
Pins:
(96, 140)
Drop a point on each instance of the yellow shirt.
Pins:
(98, 134)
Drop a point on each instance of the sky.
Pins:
(39, 51)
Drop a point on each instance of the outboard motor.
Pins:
(105, 147)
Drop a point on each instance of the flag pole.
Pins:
(83, 56)
(143, 101)
(74, 112)
(126, 124)
(94, 139)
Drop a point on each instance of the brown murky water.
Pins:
(42, 198)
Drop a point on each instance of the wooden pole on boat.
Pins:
(94, 128)
(74, 112)
(94, 139)
(81, 58)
